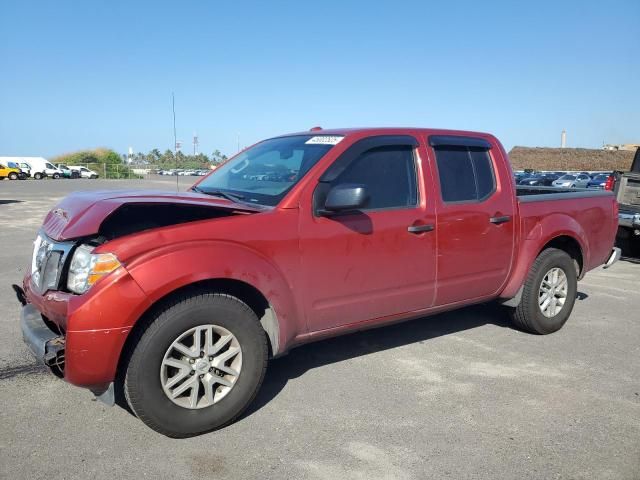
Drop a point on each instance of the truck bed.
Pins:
(546, 210)
(541, 194)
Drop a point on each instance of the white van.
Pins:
(40, 166)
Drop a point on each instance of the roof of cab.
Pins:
(387, 131)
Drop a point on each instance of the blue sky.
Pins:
(100, 73)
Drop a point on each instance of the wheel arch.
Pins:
(243, 291)
(566, 241)
(571, 246)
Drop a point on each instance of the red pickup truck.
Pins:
(178, 300)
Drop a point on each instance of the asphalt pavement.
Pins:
(458, 395)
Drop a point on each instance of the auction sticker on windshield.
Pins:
(324, 140)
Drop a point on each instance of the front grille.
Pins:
(47, 263)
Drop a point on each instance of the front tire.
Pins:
(196, 365)
(13, 176)
(549, 293)
(56, 176)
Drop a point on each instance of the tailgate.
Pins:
(629, 190)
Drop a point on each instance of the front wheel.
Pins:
(549, 293)
(13, 176)
(56, 176)
(196, 365)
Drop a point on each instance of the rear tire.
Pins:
(546, 304)
(37, 176)
(148, 380)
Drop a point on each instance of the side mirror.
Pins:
(344, 198)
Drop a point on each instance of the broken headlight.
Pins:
(87, 268)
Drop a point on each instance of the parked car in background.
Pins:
(40, 166)
(539, 179)
(599, 181)
(84, 172)
(22, 175)
(517, 176)
(181, 298)
(572, 180)
(67, 172)
(11, 172)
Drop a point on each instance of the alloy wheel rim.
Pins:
(201, 366)
(553, 291)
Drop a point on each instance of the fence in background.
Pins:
(125, 172)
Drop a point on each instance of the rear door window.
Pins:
(466, 173)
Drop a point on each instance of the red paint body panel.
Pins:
(475, 256)
(321, 276)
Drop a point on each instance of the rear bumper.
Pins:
(613, 258)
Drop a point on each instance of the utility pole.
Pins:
(175, 140)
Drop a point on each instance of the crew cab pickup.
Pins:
(178, 300)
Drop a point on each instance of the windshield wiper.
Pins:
(234, 197)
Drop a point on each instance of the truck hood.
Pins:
(82, 214)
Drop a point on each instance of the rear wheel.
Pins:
(196, 365)
(549, 293)
(37, 175)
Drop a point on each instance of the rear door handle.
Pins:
(499, 220)
(420, 228)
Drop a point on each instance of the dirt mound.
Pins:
(539, 158)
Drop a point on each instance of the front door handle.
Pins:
(499, 220)
(420, 228)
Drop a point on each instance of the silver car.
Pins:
(572, 180)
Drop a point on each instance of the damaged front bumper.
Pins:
(83, 358)
(46, 344)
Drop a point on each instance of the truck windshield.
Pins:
(266, 172)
